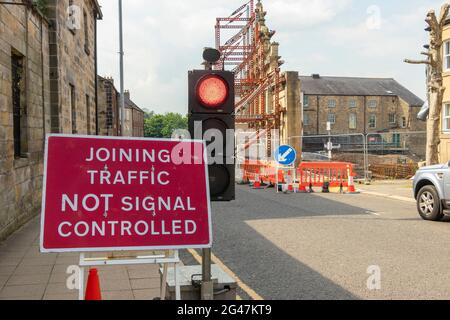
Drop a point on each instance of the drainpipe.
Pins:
(318, 115)
(365, 115)
(43, 83)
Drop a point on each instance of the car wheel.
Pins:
(429, 204)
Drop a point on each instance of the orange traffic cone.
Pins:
(93, 292)
(351, 185)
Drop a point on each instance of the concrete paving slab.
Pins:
(24, 269)
(151, 283)
(146, 294)
(40, 261)
(143, 272)
(61, 297)
(25, 292)
(26, 274)
(58, 288)
(7, 271)
(118, 295)
(20, 280)
(116, 285)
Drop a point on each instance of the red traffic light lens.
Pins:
(212, 91)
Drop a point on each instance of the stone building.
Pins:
(444, 153)
(134, 118)
(358, 105)
(108, 108)
(47, 84)
(73, 65)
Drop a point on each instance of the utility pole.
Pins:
(122, 89)
(207, 289)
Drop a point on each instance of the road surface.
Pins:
(320, 246)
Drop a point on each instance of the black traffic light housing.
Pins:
(195, 104)
(211, 104)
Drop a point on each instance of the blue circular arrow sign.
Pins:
(286, 155)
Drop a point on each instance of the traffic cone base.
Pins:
(93, 292)
(351, 190)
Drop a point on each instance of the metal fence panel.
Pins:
(395, 155)
(337, 148)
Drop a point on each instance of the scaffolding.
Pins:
(245, 44)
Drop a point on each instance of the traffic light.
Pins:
(211, 106)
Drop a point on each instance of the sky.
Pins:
(165, 39)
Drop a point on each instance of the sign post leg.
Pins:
(207, 292)
(164, 281)
(176, 278)
(81, 280)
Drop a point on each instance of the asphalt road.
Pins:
(315, 246)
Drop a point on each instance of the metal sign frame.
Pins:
(165, 260)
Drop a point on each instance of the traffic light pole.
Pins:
(207, 290)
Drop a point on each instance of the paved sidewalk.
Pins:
(395, 189)
(26, 274)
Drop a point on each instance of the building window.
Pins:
(447, 55)
(332, 118)
(404, 123)
(372, 121)
(352, 104)
(305, 101)
(373, 104)
(19, 121)
(352, 121)
(332, 103)
(88, 115)
(73, 109)
(446, 118)
(86, 33)
(306, 120)
(392, 118)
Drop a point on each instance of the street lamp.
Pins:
(122, 89)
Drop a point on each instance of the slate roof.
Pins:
(352, 86)
(131, 105)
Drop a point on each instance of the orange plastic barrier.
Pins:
(317, 173)
(262, 171)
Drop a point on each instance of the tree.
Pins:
(41, 5)
(436, 89)
(162, 126)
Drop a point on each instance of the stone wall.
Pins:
(72, 61)
(291, 128)
(23, 32)
(138, 123)
(108, 108)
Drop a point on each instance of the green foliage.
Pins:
(41, 5)
(163, 125)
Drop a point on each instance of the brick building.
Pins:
(108, 108)
(47, 84)
(358, 105)
(134, 118)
